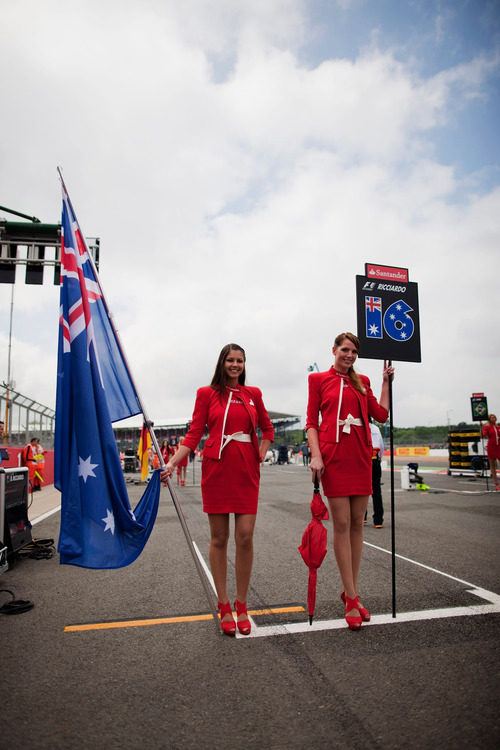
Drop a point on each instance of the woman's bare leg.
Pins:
(243, 536)
(219, 535)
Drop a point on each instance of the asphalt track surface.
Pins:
(149, 670)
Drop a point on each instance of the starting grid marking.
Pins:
(492, 606)
(169, 620)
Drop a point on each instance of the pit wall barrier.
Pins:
(14, 461)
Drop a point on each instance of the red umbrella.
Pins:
(313, 547)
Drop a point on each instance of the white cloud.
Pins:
(241, 206)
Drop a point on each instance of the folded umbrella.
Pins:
(313, 547)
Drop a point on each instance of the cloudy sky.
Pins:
(240, 163)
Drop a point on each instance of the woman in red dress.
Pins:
(492, 432)
(182, 466)
(230, 472)
(341, 454)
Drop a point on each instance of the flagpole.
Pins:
(393, 511)
(203, 577)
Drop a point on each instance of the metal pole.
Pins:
(393, 512)
(484, 471)
(7, 395)
(206, 585)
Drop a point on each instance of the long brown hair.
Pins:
(353, 375)
(219, 380)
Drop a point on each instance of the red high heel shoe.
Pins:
(354, 621)
(365, 615)
(244, 626)
(228, 627)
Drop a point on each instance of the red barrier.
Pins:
(14, 460)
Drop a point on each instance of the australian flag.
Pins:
(373, 313)
(94, 389)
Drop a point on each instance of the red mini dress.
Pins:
(231, 484)
(492, 432)
(348, 463)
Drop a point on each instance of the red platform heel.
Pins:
(228, 627)
(244, 626)
(365, 614)
(354, 621)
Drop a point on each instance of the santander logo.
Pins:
(386, 272)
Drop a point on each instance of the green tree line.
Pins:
(419, 435)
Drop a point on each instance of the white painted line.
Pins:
(211, 580)
(493, 607)
(417, 616)
(45, 515)
(205, 567)
(421, 565)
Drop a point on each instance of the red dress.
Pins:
(230, 471)
(348, 463)
(492, 432)
(231, 484)
(346, 450)
(184, 461)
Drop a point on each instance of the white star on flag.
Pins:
(109, 521)
(373, 329)
(86, 469)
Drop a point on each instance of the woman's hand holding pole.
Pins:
(181, 453)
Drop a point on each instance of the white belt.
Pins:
(348, 421)
(240, 437)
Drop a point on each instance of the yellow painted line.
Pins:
(170, 620)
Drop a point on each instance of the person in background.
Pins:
(341, 454)
(28, 459)
(182, 466)
(2, 430)
(305, 453)
(230, 473)
(377, 454)
(492, 431)
(166, 451)
(39, 467)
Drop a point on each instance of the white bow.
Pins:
(348, 421)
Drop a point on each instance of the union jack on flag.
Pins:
(74, 263)
(82, 309)
(373, 310)
(94, 389)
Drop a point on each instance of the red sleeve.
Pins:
(313, 402)
(375, 411)
(199, 419)
(263, 420)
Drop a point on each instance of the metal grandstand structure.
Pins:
(25, 417)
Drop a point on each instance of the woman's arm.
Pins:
(312, 424)
(263, 448)
(263, 420)
(387, 376)
(194, 434)
(317, 466)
